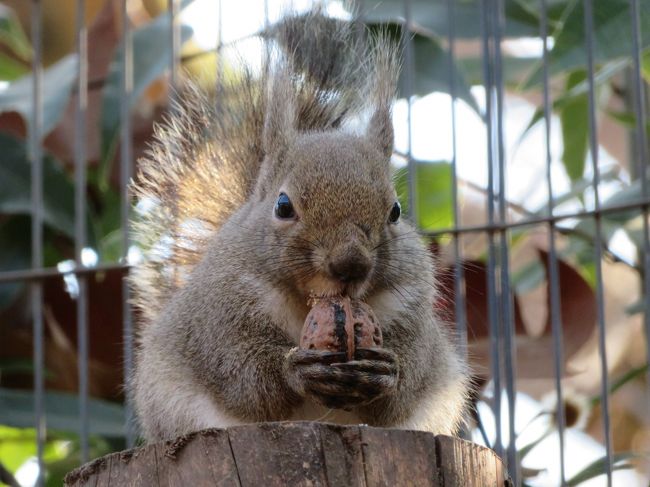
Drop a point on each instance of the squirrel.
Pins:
(271, 188)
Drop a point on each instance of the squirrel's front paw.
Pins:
(337, 384)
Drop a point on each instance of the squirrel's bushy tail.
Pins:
(205, 157)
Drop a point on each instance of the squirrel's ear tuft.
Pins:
(381, 87)
(380, 131)
(280, 121)
(279, 128)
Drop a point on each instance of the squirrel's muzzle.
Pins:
(350, 265)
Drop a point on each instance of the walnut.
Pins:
(339, 324)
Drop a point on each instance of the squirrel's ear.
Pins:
(380, 131)
(279, 124)
(380, 90)
(279, 128)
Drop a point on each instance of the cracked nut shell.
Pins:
(339, 324)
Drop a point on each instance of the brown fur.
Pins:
(224, 305)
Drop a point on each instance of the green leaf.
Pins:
(15, 253)
(59, 463)
(574, 118)
(58, 80)
(10, 69)
(577, 92)
(526, 449)
(62, 412)
(629, 194)
(616, 384)
(433, 193)
(574, 99)
(636, 307)
(16, 446)
(20, 366)
(627, 377)
(582, 236)
(537, 117)
(433, 15)
(627, 119)
(12, 34)
(107, 228)
(599, 467)
(581, 245)
(645, 65)
(61, 452)
(601, 76)
(15, 187)
(151, 57)
(587, 230)
(636, 233)
(612, 36)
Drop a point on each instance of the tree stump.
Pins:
(298, 454)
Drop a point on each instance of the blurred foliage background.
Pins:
(623, 237)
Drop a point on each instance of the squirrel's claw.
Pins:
(382, 354)
(373, 367)
(299, 356)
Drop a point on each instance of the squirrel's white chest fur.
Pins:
(287, 314)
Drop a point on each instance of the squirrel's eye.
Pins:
(395, 213)
(283, 208)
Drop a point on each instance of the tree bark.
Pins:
(298, 454)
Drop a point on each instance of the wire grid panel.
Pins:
(498, 226)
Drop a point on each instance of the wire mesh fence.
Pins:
(552, 244)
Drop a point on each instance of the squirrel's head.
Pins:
(328, 203)
(331, 212)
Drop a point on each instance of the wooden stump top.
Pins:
(298, 454)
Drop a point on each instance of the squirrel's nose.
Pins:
(350, 268)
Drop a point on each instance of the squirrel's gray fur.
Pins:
(223, 291)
